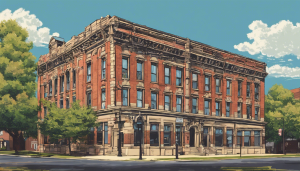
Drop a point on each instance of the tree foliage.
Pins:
(280, 104)
(18, 106)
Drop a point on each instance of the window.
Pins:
(139, 70)
(248, 111)
(89, 73)
(139, 102)
(154, 135)
(228, 87)
(239, 111)
(218, 109)
(55, 86)
(195, 81)
(89, 99)
(248, 89)
(256, 138)
(239, 88)
(178, 134)
(61, 103)
(45, 91)
(91, 136)
(239, 138)
(100, 134)
(67, 104)
(167, 102)
(219, 137)
(124, 68)
(205, 134)
(256, 91)
(167, 135)
(167, 75)
(103, 69)
(194, 105)
(74, 99)
(227, 109)
(247, 138)
(45, 112)
(206, 107)
(68, 80)
(178, 103)
(105, 133)
(218, 85)
(125, 97)
(256, 113)
(207, 83)
(178, 77)
(1, 132)
(50, 88)
(103, 98)
(45, 139)
(74, 79)
(153, 73)
(137, 134)
(62, 85)
(153, 100)
(229, 137)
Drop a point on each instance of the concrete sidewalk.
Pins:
(153, 158)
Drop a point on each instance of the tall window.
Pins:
(248, 89)
(89, 99)
(239, 88)
(227, 109)
(50, 88)
(178, 134)
(61, 103)
(89, 72)
(139, 102)
(239, 138)
(206, 107)
(100, 134)
(153, 73)
(74, 99)
(247, 138)
(256, 91)
(195, 81)
(105, 133)
(218, 108)
(103, 98)
(229, 137)
(167, 102)
(218, 85)
(55, 86)
(248, 111)
(45, 91)
(178, 77)
(219, 137)
(45, 112)
(125, 97)
(256, 113)
(207, 83)
(137, 134)
(91, 136)
(103, 68)
(228, 87)
(68, 80)
(239, 111)
(167, 75)
(154, 135)
(139, 70)
(205, 134)
(124, 68)
(256, 138)
(62, 85)
(74, 79)
(67, 104)
(194, 105)
(153, 100)
(167, 135)
(178, 103)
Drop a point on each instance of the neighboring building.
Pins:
(7, 141)
(296, 93)
(116, 64)
(4, 140)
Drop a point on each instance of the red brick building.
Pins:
(296, 93)
(7, 141)
(117, 66)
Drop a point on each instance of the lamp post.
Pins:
(283, 148)
(119, 140)
(140, 125)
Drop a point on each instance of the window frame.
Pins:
(249, 115)
(207, 108)
(45, 91)
(89, 75)
(167, 132)
(62, 83)
(239, 138)
(248, 136)
(239, 112)
(68, 80)
(103, 68)
(141, 72)
(256, 87)
(257, 138)
(179, 84)
(179, 105)
(228, 87)
(218, 104)
(103, 98)
(91, 136)
(239, 88)
(256, 113)
(67, 103)
(50, 88)
(205, 134)
(248, 89)
(125, 70)
(195, 107)
(100, 134)
(228, 109)
(73, 98)
(152, 93)
(89, 95)
(127, 98)
(218, 87)
(169, 96)
(195, 82)
(227, 136)
(153, 132)
(207, 85)
(167, 76)
(178, 134)
(137, 135)
(154, 74)
(220, 135)
(61, 103)
(74, 79)
(55, 86)
(139, 100)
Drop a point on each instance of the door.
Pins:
(192, 137)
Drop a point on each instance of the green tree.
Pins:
(280, 103)
(72, 124)
(18, 106)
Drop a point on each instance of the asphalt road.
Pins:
(53, 164)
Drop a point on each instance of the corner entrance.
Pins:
(192, 137)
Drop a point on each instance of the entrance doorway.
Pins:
(192, 137)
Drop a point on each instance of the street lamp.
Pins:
(283, 148)
(140, 125)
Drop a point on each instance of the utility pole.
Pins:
(119, 140)
(283, 138)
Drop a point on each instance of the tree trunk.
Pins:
(18, 142)
(69, 147)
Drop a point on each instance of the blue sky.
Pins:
(269, 27)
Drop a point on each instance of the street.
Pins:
(54, 164)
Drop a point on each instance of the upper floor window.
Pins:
(248, 89)
(206, 107)
(50, 88)
(153, 100)
(103, 68)
(89, 72)
(218, 107)
(74, 79)
(194, 105)
(55, 86)
(256, 113)
(167, 75)
(227, 109)
(195, 81)
(239, 88)
(103, 98)
(218, 85)
(207, 83)
(74, 99)
(139, 70)
(178, 103)
(228, 87)
(68, 80)
(62, 83)
(89, 99)
(178, 77)
(45, 91)
(67, 104)
(125, 68)
(248, 111)
(153, 72)
(139, 100)
(61, 103)
(125, 97)
(167, 102)
(256, 91)
(239, 111)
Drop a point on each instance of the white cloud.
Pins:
(290, 60)
(276, 41)
(284, 71)
(260, 57)
(40, 36)
(281, 61)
